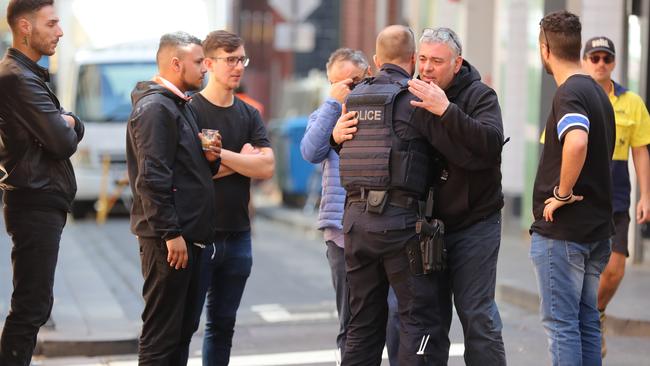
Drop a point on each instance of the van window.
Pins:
(104, 90)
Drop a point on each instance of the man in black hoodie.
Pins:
(171, 179)
(467, 130)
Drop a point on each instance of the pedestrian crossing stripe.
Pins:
(277, 359)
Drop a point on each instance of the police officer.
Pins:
(386, 169)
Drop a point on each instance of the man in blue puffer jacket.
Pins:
(345, 68)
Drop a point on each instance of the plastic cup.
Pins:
(208, 137)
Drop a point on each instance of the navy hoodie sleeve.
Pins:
(155, 137)
(471, 139)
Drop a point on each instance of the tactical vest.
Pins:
(376, 158)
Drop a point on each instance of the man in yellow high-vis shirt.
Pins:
(632, 131)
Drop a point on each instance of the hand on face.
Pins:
(340, 90)
(342, 75)
(437, 63)
(432, 97)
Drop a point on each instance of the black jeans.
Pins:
(375, 258)
(35, 233)
(169, 296)
(472, 259)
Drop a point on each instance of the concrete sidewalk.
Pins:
(96, 295)
(627, 314)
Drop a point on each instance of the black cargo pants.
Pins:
(375, 257)
(170, 297)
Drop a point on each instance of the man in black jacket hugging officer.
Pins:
(460, 117)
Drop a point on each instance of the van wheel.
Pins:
(80, 209)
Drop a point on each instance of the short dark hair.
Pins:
(396, 43)
(175, 40)
(18, 8)
(221, 39)
(562, 30)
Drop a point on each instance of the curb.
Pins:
(528, 300)
(70, 348)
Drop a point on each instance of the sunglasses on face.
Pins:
(608, 59)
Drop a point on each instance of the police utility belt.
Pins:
(429, 253)
(376, 200)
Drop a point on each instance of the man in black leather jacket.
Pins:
(37, 138)
(173, 211)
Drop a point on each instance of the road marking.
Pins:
(280, 359)
(276, 313)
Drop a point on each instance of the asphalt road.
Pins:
(287, 312)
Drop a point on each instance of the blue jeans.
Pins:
(225, 267)
(567, 277)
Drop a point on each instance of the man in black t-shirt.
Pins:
(572, 198)
(246, 154)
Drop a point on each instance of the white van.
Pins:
(102, 88)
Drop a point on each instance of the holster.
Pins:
(432, 249)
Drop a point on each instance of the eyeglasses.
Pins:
(232, 61)
(548, 45)
(608, 59)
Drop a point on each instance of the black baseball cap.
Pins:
(599, 44)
